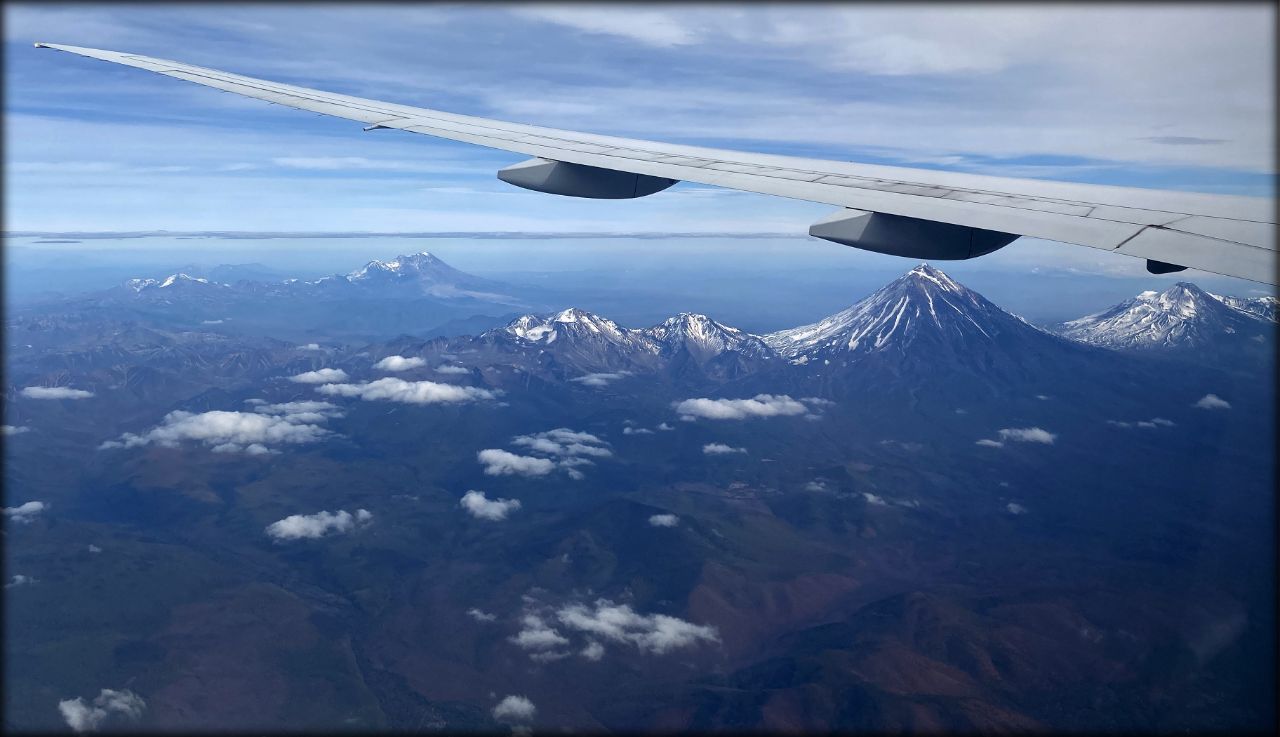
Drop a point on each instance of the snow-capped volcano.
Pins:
(414, 266)
(1181, 316)
(421, 273)
(705, 338)
(924, 309)
(173, 280)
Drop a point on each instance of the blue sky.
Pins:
(1052, 91)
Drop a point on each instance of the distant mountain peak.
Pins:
(1181, 315)
(420, 263)
(704, 337)
(139, 285)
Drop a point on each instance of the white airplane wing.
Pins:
(910, 212)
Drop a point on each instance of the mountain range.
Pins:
(922, 512)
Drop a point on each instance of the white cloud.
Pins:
(514, 709)
(94, 548)
(54, 392)
(400, 363)
(600, 379)
(636, 431)
(19, 580)
(491, 509)
(654, 633)
(761, 405)
(480, 615)
(536, 634)
(593, 651)
(24, 513)
(228, 432)
(320, 376)
(499, 462)
(408, 392)
(1015, 508)
(717, 449)
(651, 26)
(456, 370)
(665, 427)
(559, 448)
(816, 486)
(309, 347)
(564, 442)
(14, 430)
(85, 717)
(1212, 401)
(874, 499)
(990, 443)
(1145, 424)
(664, 520)
(1027, 435)
(310, 526)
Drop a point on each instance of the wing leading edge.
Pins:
(909, 212)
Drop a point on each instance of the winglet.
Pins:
(40, 45)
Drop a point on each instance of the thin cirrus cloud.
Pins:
(481, 507)
(256, 433)
(54, 392)
(320, 524)
(400, 363)
(392, 389)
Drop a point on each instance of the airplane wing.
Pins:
(909, 212)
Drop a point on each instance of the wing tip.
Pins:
(41, 45)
